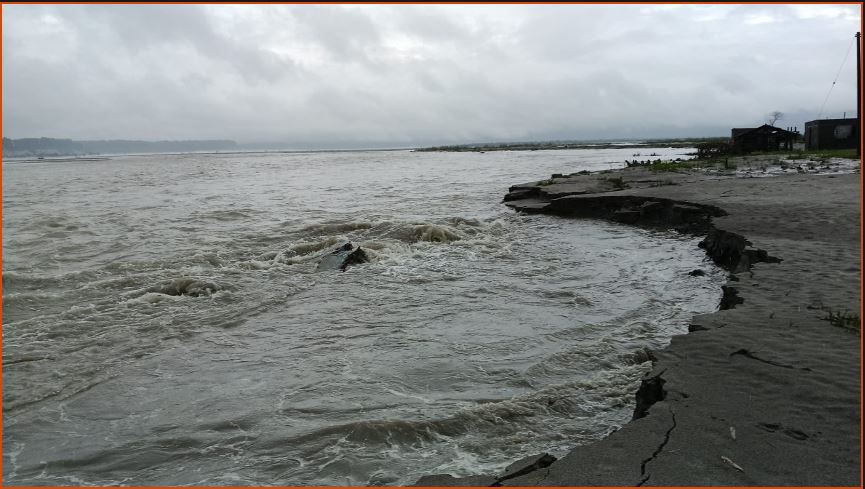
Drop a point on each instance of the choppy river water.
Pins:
(474, 336)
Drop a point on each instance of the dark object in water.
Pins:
(185, 286)
(696, 273)
(343, 257)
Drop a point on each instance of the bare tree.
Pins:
(774, 117)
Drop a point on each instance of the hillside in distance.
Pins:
(28, 147)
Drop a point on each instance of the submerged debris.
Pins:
(732, 463)
(343, 257)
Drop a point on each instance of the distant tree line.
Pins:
(69, 147)
(548, 145)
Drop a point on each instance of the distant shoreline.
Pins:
(559, 145)
(16, 149)
(108, 156)
(54, 147)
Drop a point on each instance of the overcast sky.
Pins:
(416, 74)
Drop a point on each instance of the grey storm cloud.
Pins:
(406, 74)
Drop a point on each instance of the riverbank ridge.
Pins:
(765, 391)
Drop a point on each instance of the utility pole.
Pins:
(859, 92)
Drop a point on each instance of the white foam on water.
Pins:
(436, 234)
(313, 246)
(473, 333)
(154, 298)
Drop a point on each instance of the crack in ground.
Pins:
(746, 353)
(657, 451)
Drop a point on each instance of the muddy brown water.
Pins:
(473, 337)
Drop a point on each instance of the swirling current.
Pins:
(164, 320)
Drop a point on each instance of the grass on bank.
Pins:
(617, 182)
(671, 166)
(822, 154)
(660, 165)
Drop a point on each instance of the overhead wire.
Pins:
(836, 78)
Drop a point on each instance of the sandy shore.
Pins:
(766, 391)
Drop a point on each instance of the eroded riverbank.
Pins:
(766, 391)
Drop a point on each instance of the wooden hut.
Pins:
(763, 138)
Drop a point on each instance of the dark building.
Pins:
(832, 134)
(763, 138)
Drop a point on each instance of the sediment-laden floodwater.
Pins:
(473, 337)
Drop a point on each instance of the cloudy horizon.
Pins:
(402, 75)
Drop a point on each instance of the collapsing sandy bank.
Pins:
(766, 391)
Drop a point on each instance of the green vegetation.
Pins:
(671, 166)
(846, 320)
(618, 183)
(827, 153)
(662, 165)
(838, 153)
(802, 154)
